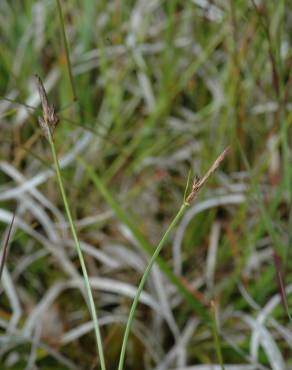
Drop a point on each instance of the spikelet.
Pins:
(50, 119)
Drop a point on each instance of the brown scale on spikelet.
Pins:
(50, 119)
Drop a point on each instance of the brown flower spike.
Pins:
(200, 182)
(50, 119)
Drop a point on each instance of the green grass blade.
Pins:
(216, 335)
(5, 246)
(268, 222)
(66, 47)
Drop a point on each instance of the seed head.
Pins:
(200, 182)
(49, 120)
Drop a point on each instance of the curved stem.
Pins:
(143, 280)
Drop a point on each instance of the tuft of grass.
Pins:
(162, 87)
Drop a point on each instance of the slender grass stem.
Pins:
(5, 245)
(66, 47)
(216, 336)
(79, 252)
(197, 185)
(143, 280)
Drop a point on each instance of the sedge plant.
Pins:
(48, 123)
(196, 187)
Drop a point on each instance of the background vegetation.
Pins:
(161, 88)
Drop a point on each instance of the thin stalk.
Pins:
(79, 252)
(5, 246)
(143, 280)
(216, 336)
(66, 47)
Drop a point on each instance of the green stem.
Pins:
(66, 47)
(143, 280)
(79, 252)
(216, 336)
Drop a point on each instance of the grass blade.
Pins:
(281, 285)
(270, 229)
(5, 246)
(216, 335)
(66, 47)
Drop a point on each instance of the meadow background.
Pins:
(158, 90)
